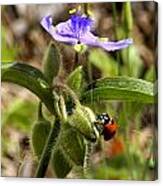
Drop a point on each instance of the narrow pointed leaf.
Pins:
(51, 62)
(74, 80)
(119, 88)
(40, 132)
(30, 78)
(127, 16)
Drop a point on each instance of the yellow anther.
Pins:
(90, 13)
(72, 11)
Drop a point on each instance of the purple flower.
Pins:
(77, 30)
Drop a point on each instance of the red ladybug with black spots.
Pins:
(106, 126)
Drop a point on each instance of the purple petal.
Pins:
(64, 29)
(60, 32)
(90, 39)
(80, 24)
(111, 46)
(46, 22)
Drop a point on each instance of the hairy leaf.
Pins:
(119, 88)
(30, 78)
(60, 163)
(79, 120)
(72, 144)
(74, 80)
(51, 62)
(40, 133)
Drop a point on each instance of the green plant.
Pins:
(65, 142)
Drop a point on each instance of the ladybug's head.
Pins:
(103, 118)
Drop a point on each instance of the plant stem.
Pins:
(45, 157)
(75, 61)
(114, 19)
(40, 115)
(89, 67)
(76, 58)
(128, 26)
(116, 34)
(85, 7)
(90, 78)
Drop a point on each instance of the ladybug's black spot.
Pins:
(108, 135)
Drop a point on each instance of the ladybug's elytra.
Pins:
(106, 126)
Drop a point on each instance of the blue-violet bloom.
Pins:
(77, 30)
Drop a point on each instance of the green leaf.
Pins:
(74, 80)
(51, 62)
(72, 144)
(60, 163)
(119, 88)
(30, 78)
(40, 133)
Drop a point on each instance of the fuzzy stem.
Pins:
(53, 134)
(46, 154)
(75, 61)
(86, 164)
(40, 115)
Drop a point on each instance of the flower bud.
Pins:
(81, 120)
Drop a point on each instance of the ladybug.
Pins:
(106, 126)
